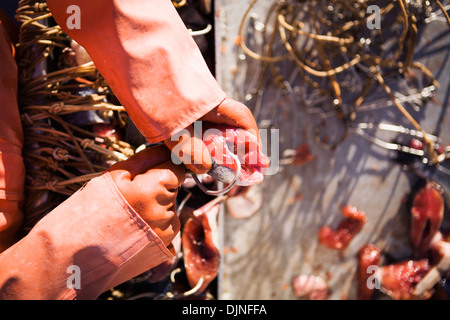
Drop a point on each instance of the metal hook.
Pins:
(361, 127)
(226, 189)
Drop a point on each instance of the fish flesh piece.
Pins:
(223, 142)
(200, 245)
(246, 203)
(400, 279)
(347, 229)
(369, 256)
(310, 286)
(427, 212)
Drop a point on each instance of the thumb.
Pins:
(142, 161)
(190, 149)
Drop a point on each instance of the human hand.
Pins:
(193, 152)
(149, 181)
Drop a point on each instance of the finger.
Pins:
(161, 181)
(153, 195)
(165, 223)
(172, 176)
(233, 113)
(142, 161)
(150, 201)
(168, 229)
(191, 150)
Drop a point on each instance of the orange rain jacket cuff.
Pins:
(88, 244)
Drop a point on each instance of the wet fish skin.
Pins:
(438, 173)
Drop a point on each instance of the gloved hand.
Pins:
(193, 152)
(149, 182)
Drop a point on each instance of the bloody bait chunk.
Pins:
(302, 155)
(201, 255)
(368, 256)
(347, 229)
(223, 141)
(399, 280)
(427, 213)
(311, 287)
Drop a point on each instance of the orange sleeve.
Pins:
(90, 243)
(147, 56)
